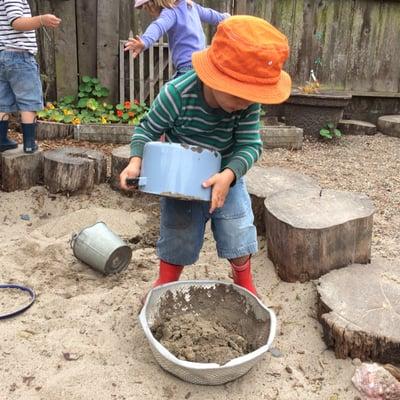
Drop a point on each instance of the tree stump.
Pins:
(46, 130)
(119, 160)
(73, 170)
(19, 170)
(389, 125)
(104, 133)
(309, 232)
(263, 182)
(359, 310)
(282, 136)
(354, 127)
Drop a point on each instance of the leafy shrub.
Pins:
(329, 131)
(88, 107)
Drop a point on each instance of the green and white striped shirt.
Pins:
(181, 112)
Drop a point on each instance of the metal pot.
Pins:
(177, 170)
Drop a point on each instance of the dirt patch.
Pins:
(208, 325)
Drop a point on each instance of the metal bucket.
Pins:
(101, 248)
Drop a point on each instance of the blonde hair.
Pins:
(164, 3)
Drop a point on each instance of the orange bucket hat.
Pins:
(245, 59)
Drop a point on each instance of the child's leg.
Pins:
(5, 142)
(24, 80)
(28, 126)
(241, 271)
(236, 235)
(168, 273)
(182, 228)
(7, 102)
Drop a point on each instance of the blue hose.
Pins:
(25, 306)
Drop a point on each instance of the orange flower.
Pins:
(120, 113)
(131, 114)
(127, 105)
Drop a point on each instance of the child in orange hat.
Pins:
(216, 106)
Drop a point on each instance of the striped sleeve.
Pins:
(14, 9)
(248, 145)
(161, 116)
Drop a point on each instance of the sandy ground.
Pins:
(81, 339)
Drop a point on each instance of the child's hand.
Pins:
(135, 45)
(131, 171)
(220, 183)
(50, 20)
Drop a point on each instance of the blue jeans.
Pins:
(182, 70)
(183, 224)
(20, 86)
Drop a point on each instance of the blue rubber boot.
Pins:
(5, 142)
(29, 133)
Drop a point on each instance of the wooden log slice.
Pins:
(46, 130)
(263, 182)
(354, 127)
(309, 232)
(282, 136)
(73, 169)
(389, 125)
(119, 160)
(104, 133)
(19, 170)
(359, 309)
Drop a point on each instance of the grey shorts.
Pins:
(20, 86)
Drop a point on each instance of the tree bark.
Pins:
(73, 170)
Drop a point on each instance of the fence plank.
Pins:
(108, 45)
(46, 50)
(141, 77)
(86, 25)
(131, 77)
(151, 74)
(384, 72)
(160, 64)
(121, 71)
(66, 57)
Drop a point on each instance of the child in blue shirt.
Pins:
(181, 20)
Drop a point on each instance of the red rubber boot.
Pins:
(242, 276)
(168, 273)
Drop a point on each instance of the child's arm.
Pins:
(161, 117)
(31, 23)
(154, 31)
(246, 151)
(248, 145)
(210, 16)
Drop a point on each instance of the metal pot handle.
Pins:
(135, 183)
(72, 240)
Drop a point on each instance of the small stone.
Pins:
(356, 362)
(289, 369)
(275, 352)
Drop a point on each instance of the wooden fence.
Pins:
(352, 45)
(145, 74)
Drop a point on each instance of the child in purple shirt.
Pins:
(181, 21)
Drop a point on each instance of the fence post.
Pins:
(239, 7)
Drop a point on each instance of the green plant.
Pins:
(329, 131)
(131, 112)
(88, 107)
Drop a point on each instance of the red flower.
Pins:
(136, 102)
(120, 113)
(127, 105)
